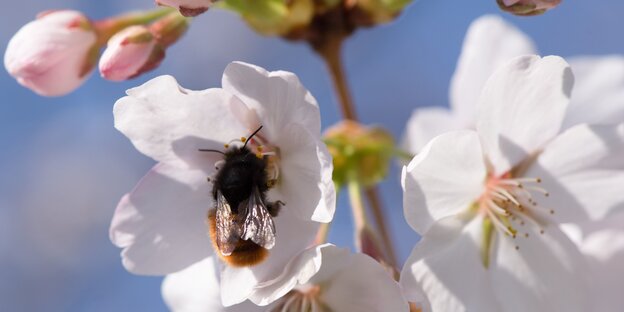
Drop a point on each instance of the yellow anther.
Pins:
(243, 139)
(259, 155)
(226, 145)
(259, 148)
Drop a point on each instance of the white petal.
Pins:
(427, 123)
(278, 98)
(305, 183)
(169, 123)
(293, 235)
(598, 94)
(445, 178)
(161, 223)
(546, 273)
(356, 282)
(446, 264)
(583, 170)
(489, 43)
(522, 107)
(603, 245)
(196, 289)
(297, 272)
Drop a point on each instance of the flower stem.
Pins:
(330, 52)
(372, 194)
(106, 28)
(355, 197)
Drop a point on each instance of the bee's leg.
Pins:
(274, 207)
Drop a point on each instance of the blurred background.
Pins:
(63, 166)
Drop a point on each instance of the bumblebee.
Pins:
(241, 224)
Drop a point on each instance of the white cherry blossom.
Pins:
(488, 203)
(161, 224)
(491, 42)
(602, 243)
(51, 55)
(322, 278)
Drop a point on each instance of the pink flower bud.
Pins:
(188, 7)
(129, 53)
(53, 54)
(527, 7)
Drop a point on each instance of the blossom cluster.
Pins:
(515, 191)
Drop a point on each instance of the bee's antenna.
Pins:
(251, 136)
(211, 150)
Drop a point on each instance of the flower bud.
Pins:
(527, 7)
(273, 17)
(359, 153)
(188, 7)
(372, 12)
(129, 53)
(53, 54)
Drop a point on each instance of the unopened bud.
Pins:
(188, 7)
(359, 152)
(527, 7)
(129, 53)
(169, 29)
(273, 17)
(373, 12)
(53, 54)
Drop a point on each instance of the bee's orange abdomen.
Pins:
(246, 253)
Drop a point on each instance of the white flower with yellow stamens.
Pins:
(488, 203)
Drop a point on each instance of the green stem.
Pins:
(357, 205)
(106, 28)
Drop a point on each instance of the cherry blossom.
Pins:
(322, 278)
(488, 203)
(490, 42)
(161, 224)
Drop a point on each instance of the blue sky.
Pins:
(64, 166)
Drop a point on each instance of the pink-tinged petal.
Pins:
(197, 289)
(128, 52)
(292, 236)
(170, 124)
(188, 7)
(444, 179)
(305, 182)
(489, 43)
(49, 55)
(522, 107)
(541, 272)
(278, 98)
(161, 223)
(598, 94)
(356, 282)
(583, 170)
(446, 264)
(427, 123)
(297, 272)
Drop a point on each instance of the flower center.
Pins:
(508, 204)
(303, 299)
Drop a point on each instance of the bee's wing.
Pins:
(228, 231)
(258, 225)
